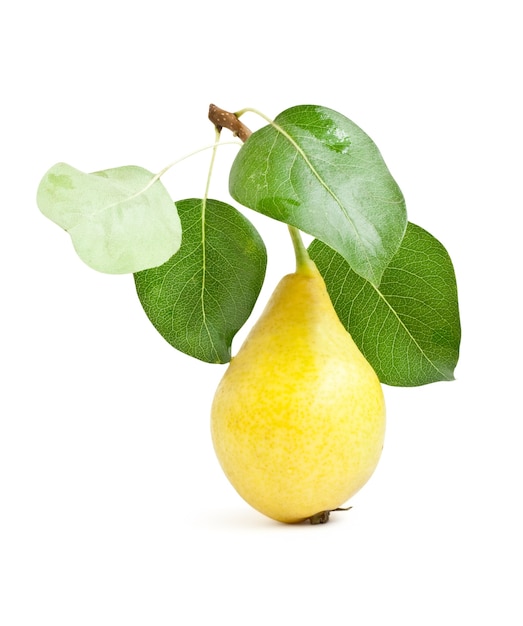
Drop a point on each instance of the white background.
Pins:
(114, 510)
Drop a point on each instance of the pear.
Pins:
(298, 419)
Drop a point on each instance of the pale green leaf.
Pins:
(118, 221)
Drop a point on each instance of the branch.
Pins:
(223, 119)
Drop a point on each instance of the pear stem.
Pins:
(303, 260)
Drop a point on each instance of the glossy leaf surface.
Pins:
(118, 221)
(315, 169)
(409, 327)
(203, 295)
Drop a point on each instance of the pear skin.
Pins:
(298, 419)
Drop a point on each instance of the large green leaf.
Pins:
(315, 169)
(408, 328)
(204, 294)
(119, 222)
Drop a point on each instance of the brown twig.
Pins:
(223, 119)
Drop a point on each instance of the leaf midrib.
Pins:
(204, 275)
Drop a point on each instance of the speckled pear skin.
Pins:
(298, 419)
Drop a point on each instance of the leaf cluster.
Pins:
(199, 264)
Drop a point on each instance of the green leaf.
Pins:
(118, 221)
(315, 169)
(409, 327)
(204, 294)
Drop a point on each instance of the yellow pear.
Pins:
(298, 419)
